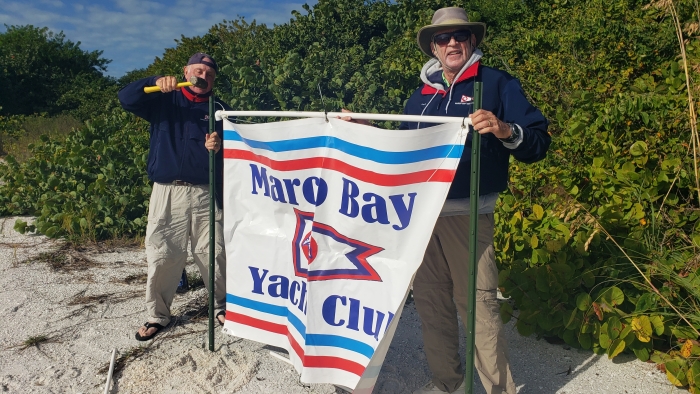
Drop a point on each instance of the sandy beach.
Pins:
(63, 310)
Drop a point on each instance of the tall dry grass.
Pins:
(31, 128)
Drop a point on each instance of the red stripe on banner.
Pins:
(326, 361)
(436, 175)
(307, 361)
(257, 323)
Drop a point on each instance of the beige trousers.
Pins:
(176, 215)
(440, 283)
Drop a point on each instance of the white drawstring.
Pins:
(448, 100)
(426, 107)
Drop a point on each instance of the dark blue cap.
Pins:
(198, 58)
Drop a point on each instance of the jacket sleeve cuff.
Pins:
(517, 142)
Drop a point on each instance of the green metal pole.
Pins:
(473, 256)
(212, 225)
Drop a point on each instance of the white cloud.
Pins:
(52, 3)
(140, 7)
(27, 14)
(6, 20)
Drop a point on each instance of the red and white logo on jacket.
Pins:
(465, 100)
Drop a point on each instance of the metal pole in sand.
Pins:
(473, 257)
(212, 225)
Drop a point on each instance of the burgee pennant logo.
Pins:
(351, 264)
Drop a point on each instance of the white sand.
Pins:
(85, 313)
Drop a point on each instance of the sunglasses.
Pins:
(445, 38)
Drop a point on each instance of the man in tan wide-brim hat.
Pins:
(509, 126)
(449, 18)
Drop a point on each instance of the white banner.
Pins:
(325, 224)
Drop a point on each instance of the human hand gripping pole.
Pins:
(194, 81)
(350, 119)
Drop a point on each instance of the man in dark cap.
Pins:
(509, 126)
(178, 166)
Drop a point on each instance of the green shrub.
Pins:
(92, 185)
(598, 243)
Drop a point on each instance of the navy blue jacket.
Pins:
(179, 124)
(504, 97)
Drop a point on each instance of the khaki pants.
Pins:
(440, 283)
(176, 215)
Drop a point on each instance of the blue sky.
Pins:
(133, 32)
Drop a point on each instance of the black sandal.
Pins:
(148, 325)
(221, 313)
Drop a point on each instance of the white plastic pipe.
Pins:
(111, 369)
(354, 115)
(280, 357)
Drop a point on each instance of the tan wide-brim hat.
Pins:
(446, 18)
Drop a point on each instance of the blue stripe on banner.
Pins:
(363, 152)
(257, 305)
(298, 325)
(341, 342)
(311, 339)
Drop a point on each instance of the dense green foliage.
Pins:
(44, 72)
(616, 200)
(598, 243)
(90, 186)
